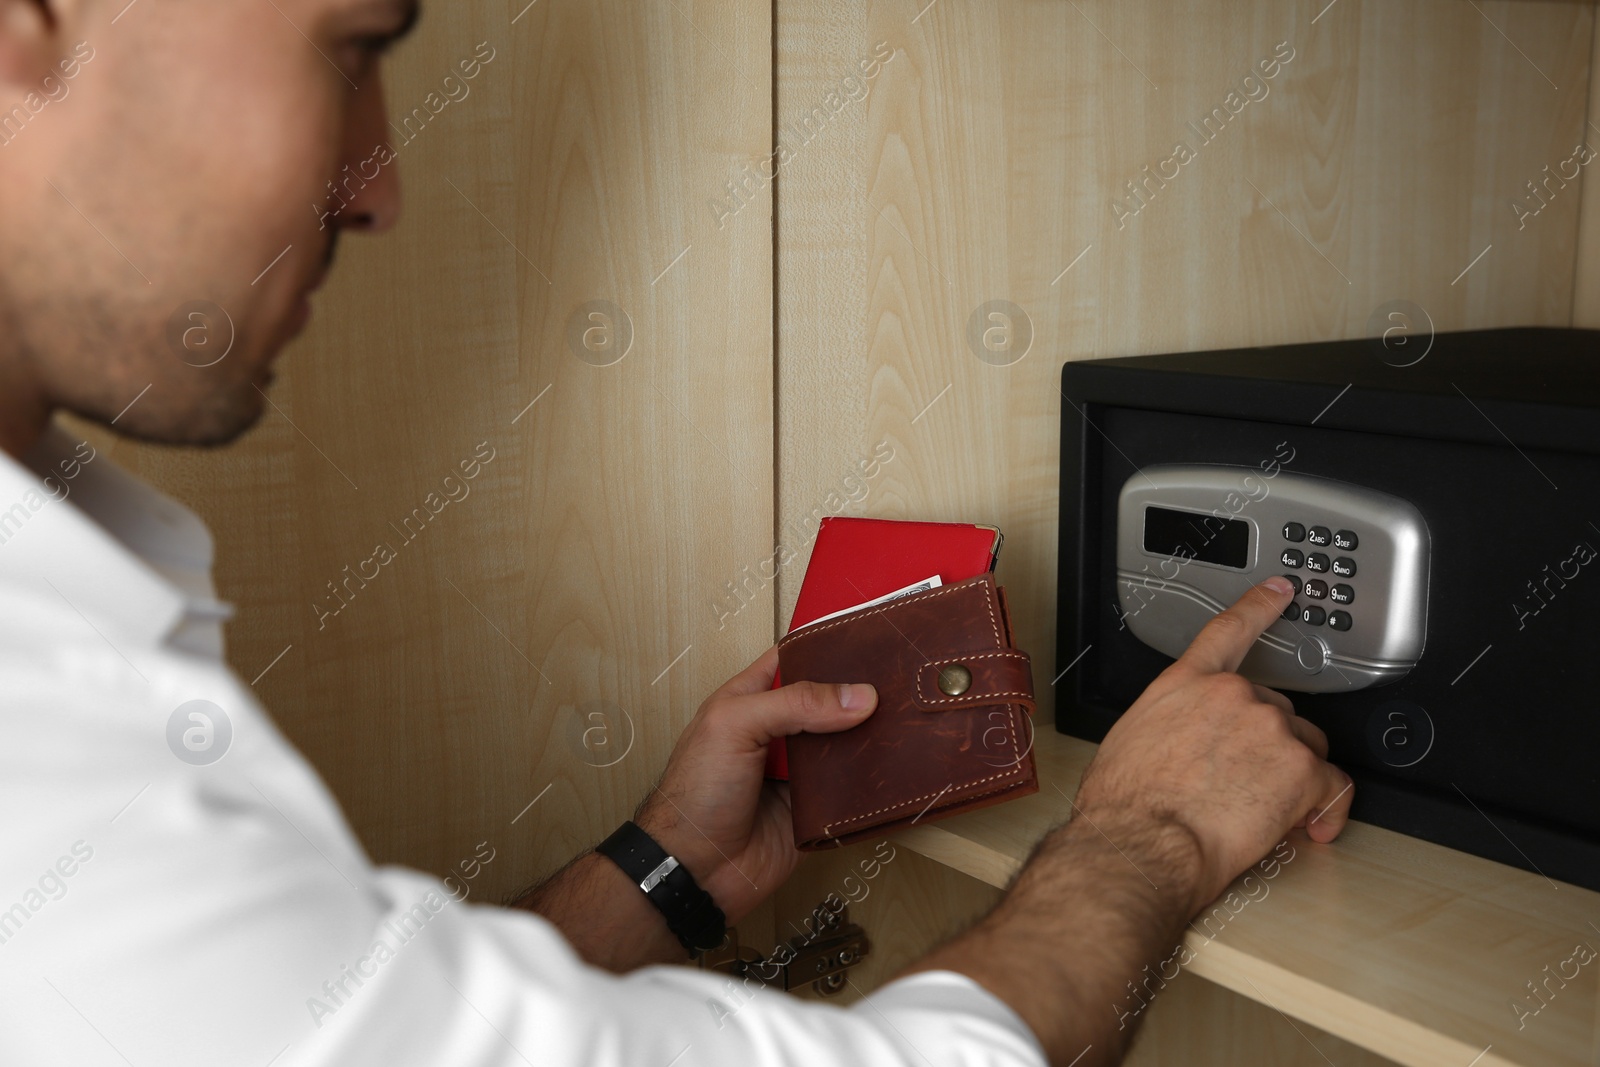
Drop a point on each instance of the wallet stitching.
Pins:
(825, 835)
(978, 696)
(917, 597)
(1011, 724)
(926, 796)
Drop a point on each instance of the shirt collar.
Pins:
(128, 558)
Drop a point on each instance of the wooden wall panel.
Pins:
(458, 686)
(987, 162)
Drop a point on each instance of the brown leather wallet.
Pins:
(952, 731)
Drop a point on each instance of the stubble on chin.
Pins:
(209, 420)
(117, 366)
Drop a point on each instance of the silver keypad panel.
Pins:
(1191, 538)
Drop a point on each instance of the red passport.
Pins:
(857, 560)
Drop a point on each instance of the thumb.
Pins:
(812, 707)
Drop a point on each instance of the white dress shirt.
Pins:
(178, 887)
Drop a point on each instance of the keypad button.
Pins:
(1292, 611)
(1292, 557)
(1319, 535)
(1341, 594)
(1346, 540)
(1340, 620)
(1294, 580)
(1344, 567)
(1313, 616)
(1316, 589)
(1294, 532)
(1318, 562)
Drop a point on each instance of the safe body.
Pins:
(1490, 740)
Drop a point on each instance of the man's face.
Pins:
(168, 207)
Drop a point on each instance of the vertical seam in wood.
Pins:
(1583, 202)
(777, 465)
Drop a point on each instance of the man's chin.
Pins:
(217, 421)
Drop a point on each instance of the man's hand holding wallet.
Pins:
(952, 729)
(1198, 780)
(913, 609)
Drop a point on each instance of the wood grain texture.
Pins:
(999, 145)
(462, 683)
(1195, 1023)
(1400, 946)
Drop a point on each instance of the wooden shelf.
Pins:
(1411, 950)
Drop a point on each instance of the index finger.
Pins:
(1224, 642)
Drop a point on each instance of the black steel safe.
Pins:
(1490, 742)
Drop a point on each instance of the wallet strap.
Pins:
(1003, 676)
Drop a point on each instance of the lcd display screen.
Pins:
(1195, 535)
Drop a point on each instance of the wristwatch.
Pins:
(690, 912)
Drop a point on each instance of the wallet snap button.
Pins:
(954, 680)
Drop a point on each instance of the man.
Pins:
(153, 912)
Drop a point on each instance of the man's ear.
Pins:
(30, 41)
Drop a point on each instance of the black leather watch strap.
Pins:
(690, 912)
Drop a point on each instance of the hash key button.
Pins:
(1341, 594)
(1344, 567)
(1345, 540)
(1340, 620)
